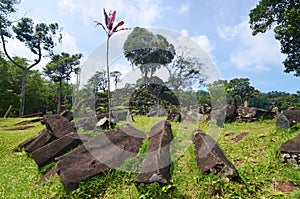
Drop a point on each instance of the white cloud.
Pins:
(69, 44)
(137, 12)
(67, 5)
(17, 48)
(184, 8)
(201, 40)
(254, 53)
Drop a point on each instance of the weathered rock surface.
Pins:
(107, 150)
(174, 116)
(37, 141)
(226, 114)
(290, 151)
(58, 125)
(46, 154)
(251, 113)
(211, 159)
(120, 115)
(68, 115)
(288, 118)
(156, 165)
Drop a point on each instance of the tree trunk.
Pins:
(146, 77)
(22, 107)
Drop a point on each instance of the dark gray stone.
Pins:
(156, 165)
(211, 159)
(68, 114)
(250, 114)
(290, 151)
(120, 115)
(36, 142)
(46, 154)
(288, 118)
(58, 125)
(105, 151)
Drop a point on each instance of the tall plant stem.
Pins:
(108, 82)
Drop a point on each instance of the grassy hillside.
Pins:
(255, 157)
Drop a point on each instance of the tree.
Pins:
(116, 75)
(185, 71)
(284, 17)
(148, 51)
(98, 81)
(37, 38)
(8, 96)
(60, 68)
(240, 88)
(39, 91)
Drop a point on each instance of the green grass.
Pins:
(255, 157)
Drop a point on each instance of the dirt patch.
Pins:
(19, 128)
(239, 137)
(286, 187)
(229, 134)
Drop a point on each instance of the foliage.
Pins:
(240, 88)
(185, 72)
(147, 51)
(39, 90)
(282, 100)
(98, 81)
(8, 94)
(7, 7)
(60, 68)
(37, 38)
(284, 17)
(116, 76)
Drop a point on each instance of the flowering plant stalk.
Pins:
(110, 29)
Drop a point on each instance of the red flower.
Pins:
(109, 22)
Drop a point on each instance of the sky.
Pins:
(219, 27)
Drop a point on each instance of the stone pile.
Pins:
(290, 151)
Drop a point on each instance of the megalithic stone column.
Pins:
(211, 159)
(58, 147)
(156, 165)
(101, 153)
(37, 141)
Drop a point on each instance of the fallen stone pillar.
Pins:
(156, 165)
(49, 152)
(105, 151)
(58, 125)
(211, 159)
(37, 141)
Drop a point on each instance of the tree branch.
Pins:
(39, 56)
(8, 56)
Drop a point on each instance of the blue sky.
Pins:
(220, 27)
